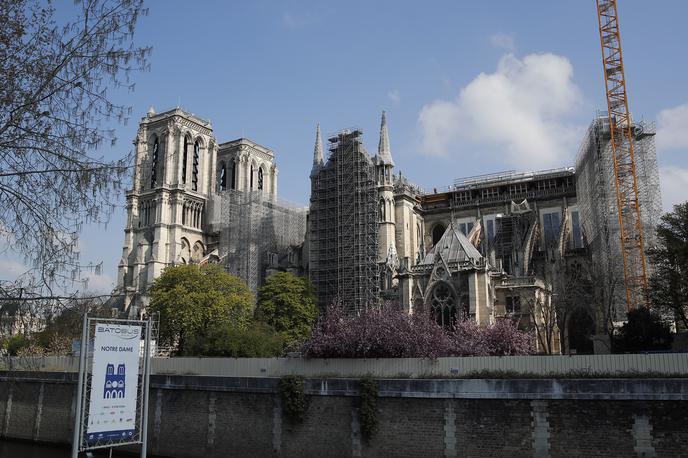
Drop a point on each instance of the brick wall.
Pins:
(216, 417)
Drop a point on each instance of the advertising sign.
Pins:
(114, 383)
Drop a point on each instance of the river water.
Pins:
(16, 449)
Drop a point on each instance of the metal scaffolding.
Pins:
(595, 190)
(343, 225)
(253, 227)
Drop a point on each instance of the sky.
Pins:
(468, 87)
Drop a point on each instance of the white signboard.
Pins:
(114, 383)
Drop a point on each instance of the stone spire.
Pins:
(318, 160)
(383, 151)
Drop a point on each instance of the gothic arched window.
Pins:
(251, 187)
(234, 170)
(154, 162)
(437, 233)
(185, 157)
(223, 177)
(260, 178)
(444, 305)
(194, 171)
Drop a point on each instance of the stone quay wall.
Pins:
(199, 416)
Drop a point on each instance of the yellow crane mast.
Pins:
(622, 140)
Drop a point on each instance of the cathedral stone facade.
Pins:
(179, 170)
(488, 247)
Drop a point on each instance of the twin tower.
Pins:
(363, 225)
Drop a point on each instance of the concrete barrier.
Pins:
(581, 365)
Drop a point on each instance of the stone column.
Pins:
(169, 155)
(273, 178)
(140, 144)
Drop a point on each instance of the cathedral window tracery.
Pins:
(260, 178)
(444, 305)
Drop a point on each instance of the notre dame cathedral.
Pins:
(486, 247)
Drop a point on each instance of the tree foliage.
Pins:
(286, 302)
(58, 331)
(669, 282)
(57, 74)
(193, 300)
(643, 331)
(390, 333)
(257, 340)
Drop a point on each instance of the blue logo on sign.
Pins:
(114, 383)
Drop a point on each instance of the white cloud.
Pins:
(503, 41)
(672, 128)
(518, 113)
(674, 186)
(394, 96)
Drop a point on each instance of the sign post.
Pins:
(112, 395)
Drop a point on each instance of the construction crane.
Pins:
(622, 140)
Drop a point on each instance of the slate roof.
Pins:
(454, 247)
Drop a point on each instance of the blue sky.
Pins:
(469, 87)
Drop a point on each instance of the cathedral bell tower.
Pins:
(167, 205)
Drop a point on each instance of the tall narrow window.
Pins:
(490, 230)
(185, 157)
(382, 210)
(194, 171)
(154, 163)
(437, 233)
(251, 187)
(233, 174)
(576, 230)
(223, 177)
(260, 178)
(552, 226)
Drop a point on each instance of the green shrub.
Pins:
(14, 344)
(368, 412)
(256, 341)
(293, 395)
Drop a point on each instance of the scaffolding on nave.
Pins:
(595, 190)
(343, 225)
(253, 228)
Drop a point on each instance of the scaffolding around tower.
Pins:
(343, 223)
(595, 188)
(254, 228)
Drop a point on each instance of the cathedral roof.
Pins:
(453, 247)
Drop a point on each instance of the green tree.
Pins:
(286, 302)
(644, 331)
(669, 282)
(258, 340)
(193, 300)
